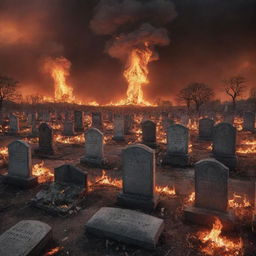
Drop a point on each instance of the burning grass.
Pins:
(247, 147)
(79, 139)
(213, 243)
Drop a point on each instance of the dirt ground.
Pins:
(177, 239)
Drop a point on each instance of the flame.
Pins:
(238, 123)
(238, 201)
(69, 140)
(214, 242)
(4, 152)
(166, 190)
(53, 251)
(59, 70)
(247, 147)
(43, 173)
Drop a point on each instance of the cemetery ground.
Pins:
(179, 238)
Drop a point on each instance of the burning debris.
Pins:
(43, 173)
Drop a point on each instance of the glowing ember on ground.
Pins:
(166, 190)
(53, 251)
(31, 140)
(238, 123)
(43, 173)
(238, 201)
(191, 198)
(4, 152)
(214, 244)
(70, 140)
(192, 125)
(247, 147)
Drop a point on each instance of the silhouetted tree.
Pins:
(184, 96)
(234, 87)
(8, 87)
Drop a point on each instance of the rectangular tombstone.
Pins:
(45, 140)
(127, 124)
(211, 194)
(249, 122)
(177, 146)
(149, 133)
(97, 120)
(206, 129)
(14, 124)
(224, 144)
(19, 167)
(138, 163)
(79, 121)
(69, 174)
(93, 148)
(118, 128)
(126, 226)
(26, 238)
(68, 128)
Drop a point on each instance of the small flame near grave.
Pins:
(214, 243)
(247, 147)
(4, 152)
(43, 173)
(53, 251)
(79, 139)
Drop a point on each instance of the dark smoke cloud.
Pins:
(211, 40)
(121, 46)
(110, 15)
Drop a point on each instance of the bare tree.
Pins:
(184, 96)
(234, 87)
(200, 94)
(8, 87)
(34, 99)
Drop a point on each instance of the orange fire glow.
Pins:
(166, 190)
(59, 70)
(53, 251)
(247, 147)
(214, 242)
(4, 152)
(69, 140)
(43, 173)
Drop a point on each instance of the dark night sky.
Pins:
(210, 41)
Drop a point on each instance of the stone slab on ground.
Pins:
(26, 238)
(126, 226)
(207, 217)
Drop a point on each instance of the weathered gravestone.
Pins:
(211, 194)
(206, 129)
(126, 226)
(97, 120)
(19, 167)
(68, 128)
(149, 133)
(13, 125)
(138, 164)
(224, 144)
(118, 128)
(177, 146)
(69, 174)
(45, 140)
(249, 122)
(34, 130)
(128, 120)
(26, 238)
(93, 148)
(79, 121)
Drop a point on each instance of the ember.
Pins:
(166, 190)
(4, 152)
(53, 251)
(70, 140)
(214, 244)
(247, 147)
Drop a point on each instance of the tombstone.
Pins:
(138, 163)
(93, 148)
(45, 140)
(97, 120)
(224, 144)
(229, 118)
(19, 166)
(69, 174)
(79, 121)
(27, 237)
(118, 128)
(14, 125)
(249, 122)
(46, 116)
(126, 226)
(68, 128)
(127, 124)
(177, 146)
(166, 123)
(206, 129)
(110, 116)
(29, 115)
(211, 194)
(149, 133)
(34, 130)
